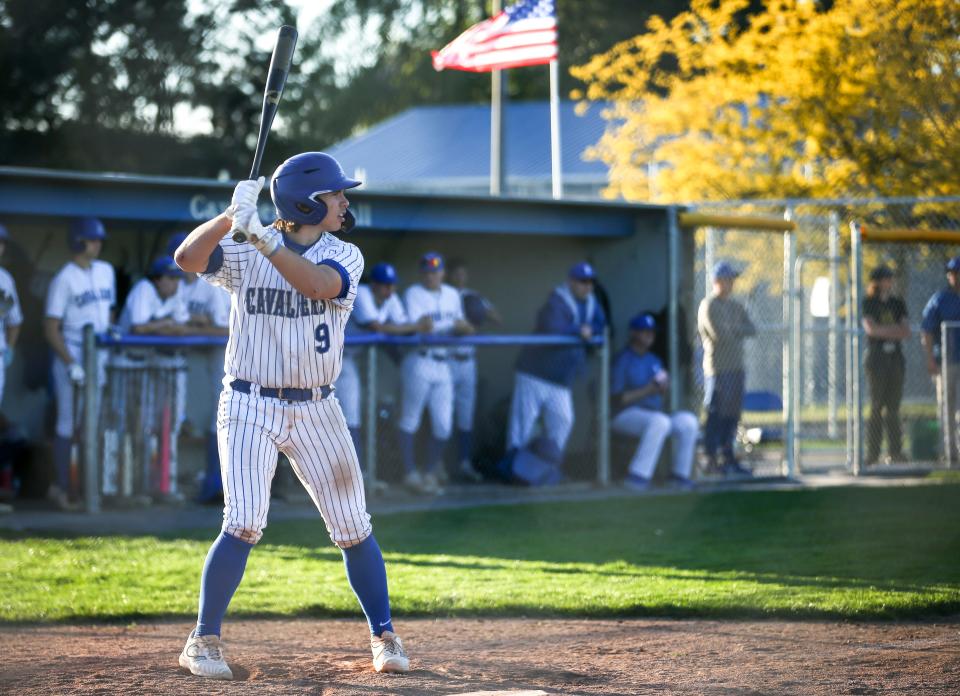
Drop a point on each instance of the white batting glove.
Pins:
(265, 239)
(245, 193)
(76, 373)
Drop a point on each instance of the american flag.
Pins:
(523, 34)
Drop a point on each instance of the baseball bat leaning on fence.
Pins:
(279, 68)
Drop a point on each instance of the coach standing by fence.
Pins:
(885, 323)
(944, 306)
(723, 325)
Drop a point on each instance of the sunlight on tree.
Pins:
(793, 101)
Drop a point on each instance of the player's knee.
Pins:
(250, 535)
(660, 423)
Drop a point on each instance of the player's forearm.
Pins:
(157, 327)
(51, 331)
(310, 280)
(193, 254)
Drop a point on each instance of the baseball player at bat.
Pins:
(11, 317)
(376, 309)
(292, 287)
(83, 292)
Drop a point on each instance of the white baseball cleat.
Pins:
(388, 653)
(203, 656)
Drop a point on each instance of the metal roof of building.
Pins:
(452, 142)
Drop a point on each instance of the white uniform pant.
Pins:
(63, 388)
(653, 428)
(251, 430)
(348, 391)
(531, 397)
(464, 374)
(427, 382)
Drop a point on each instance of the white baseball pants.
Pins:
(531, 397)
(464, 374)
(251, 430)
(348, 391)
(653, 428)
(427, 383)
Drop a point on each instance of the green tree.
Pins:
(802, 100)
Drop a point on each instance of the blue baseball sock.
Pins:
(367, 576)
(465, 444)
(405, 440)
(222, 573)
(61, 461)
(435, 453)
(355, 436)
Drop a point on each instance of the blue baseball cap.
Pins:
(643, 322)
(164, 266)
(175, 241)
(953, 264)
(431, 261)
(384, 273)
(724, 269)
(582, 271)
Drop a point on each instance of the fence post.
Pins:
(856, 368)
(91, 387)
(789, 422)
(673, 301)
(603, 413)
(946, 396)
(370, 417)
(834, 251)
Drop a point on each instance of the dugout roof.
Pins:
(54, 193)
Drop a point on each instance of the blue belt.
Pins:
(282, 393)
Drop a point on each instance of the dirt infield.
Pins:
(649, 656)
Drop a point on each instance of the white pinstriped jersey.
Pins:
(200, 297)
(442, 305)
(365, 311)
(278, 337)
(79, 296)
(144, 305)
(10, 314)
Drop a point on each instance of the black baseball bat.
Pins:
(276, 78)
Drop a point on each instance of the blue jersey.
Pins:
(943, 306)
(631, 370)
(562, 315)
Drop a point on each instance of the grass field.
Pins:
(842, 552)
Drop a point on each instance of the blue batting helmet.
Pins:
(953, 264)
(582, 271)
(164, 266)
(175, 241)
(384, 273)
(298, 182)
(643, 322)
(83, 229)
(4, 235)
(724, 269)
(431, 261)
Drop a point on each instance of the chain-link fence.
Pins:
(461, 411)
(840, 350)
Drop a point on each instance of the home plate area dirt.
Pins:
(520, 657)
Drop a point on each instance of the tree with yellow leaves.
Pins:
(796, 100)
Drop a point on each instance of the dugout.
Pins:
(517, 250)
